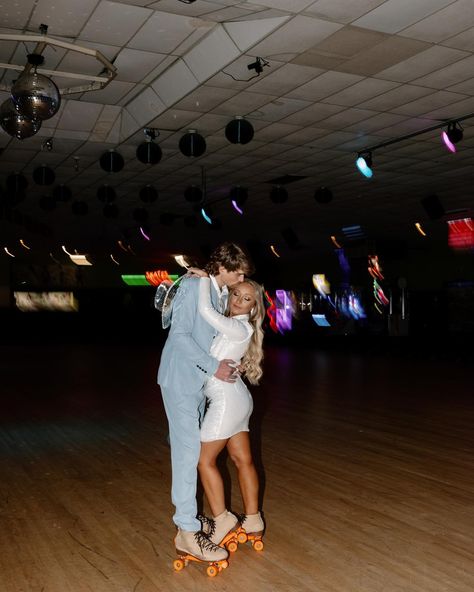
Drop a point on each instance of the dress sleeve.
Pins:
(234, 329)
(182, 325)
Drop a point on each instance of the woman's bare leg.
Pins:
(211, 478)
(239, 450)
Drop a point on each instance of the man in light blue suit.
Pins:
(185, 364)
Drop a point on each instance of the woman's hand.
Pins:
(197, 272)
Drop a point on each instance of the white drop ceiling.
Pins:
(341, 76)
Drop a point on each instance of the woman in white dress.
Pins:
(230, 405)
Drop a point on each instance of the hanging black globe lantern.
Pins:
(148, 194)
(323, 195)
(43, 175)
(106, 194)
(278, 194)
(16, 124)
(79, 208)
(111, 161)
(149, 153)
(193, 194)
(62, 193)
(34, 95)
(16, 183)
(239, 131)
(192, 144)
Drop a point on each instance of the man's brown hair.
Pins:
(230, 256)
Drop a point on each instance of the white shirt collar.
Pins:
(220, 291)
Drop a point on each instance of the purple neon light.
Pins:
(284, 311)
(144, 235)
(236, 207)
(449, 145)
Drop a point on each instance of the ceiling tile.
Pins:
(133, 65)
(359, 92)
(285, 79)
(342, 11)
(204, 99)
(110, 95)
(449, 75)
(299, 34)
(345, 118)
(396, 97)
(450, 21)
(290, 5)
(423, 63)
(243, 103)
(64, 19)
(464, 40)
(163, 32)
(382, 56)
(114, 27)
(79, 116)
(324, 85)
(395, 15)
(278, 109)
(429, 103)
(312, 114)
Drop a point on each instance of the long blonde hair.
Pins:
(253, 357)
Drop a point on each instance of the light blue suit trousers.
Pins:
(185, 364)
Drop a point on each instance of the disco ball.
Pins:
(36, 96)
(16, 124)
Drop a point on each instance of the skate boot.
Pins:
(222, 530)
(251, 529)
(196, 546)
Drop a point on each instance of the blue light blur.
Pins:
(364, 167)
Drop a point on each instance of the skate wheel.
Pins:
(258, 545)
(231, 547)
(225, 564)
(178, 564)
(242, 538)
(211, 571)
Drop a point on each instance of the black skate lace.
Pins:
(204, 543)
(209, 522)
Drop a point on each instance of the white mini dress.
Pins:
(229, 404)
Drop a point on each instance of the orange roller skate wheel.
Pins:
(178, 564)
(242, 538)
(225, 564)
(258, 545)
(212, 571)
(231, 547)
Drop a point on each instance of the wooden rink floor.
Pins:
(366, 464)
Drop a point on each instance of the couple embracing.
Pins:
(215, 337)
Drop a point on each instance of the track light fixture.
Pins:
(257, 65)
(452, 136)
(364, 163)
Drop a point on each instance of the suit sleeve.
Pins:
(234, 329)
(184, 313)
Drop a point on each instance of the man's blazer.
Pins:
(185, 361)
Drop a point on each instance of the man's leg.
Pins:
(182, 411)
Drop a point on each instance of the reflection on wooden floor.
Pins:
(367, 465)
